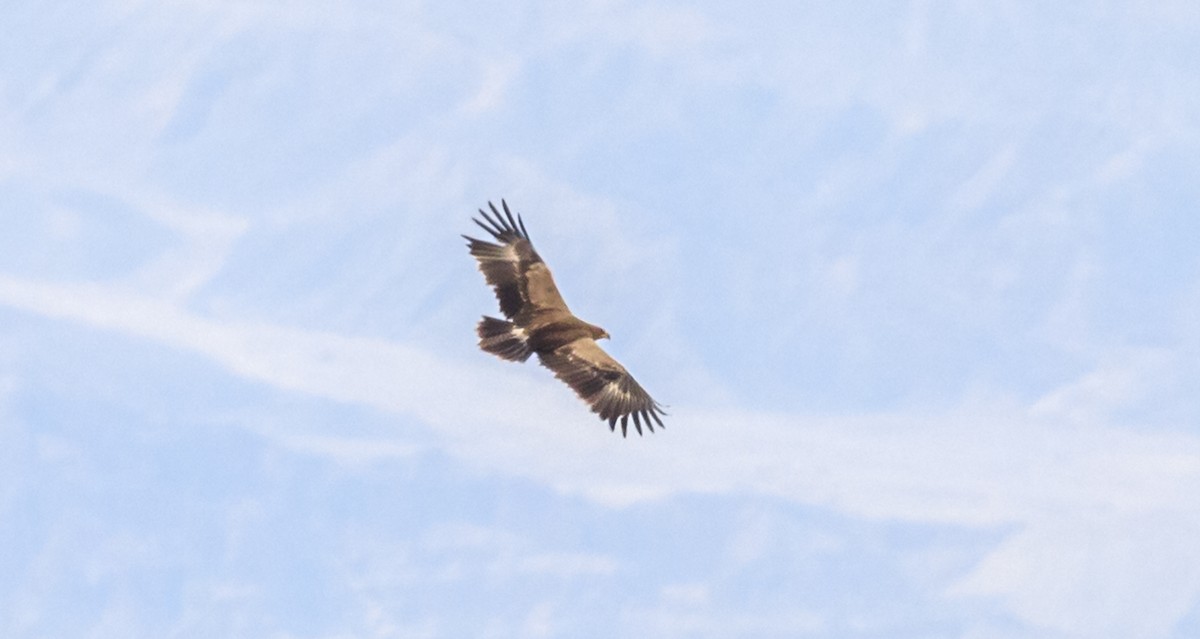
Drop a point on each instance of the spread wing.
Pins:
(602, 382)
(512, 267)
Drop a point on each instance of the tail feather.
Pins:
(503, 339)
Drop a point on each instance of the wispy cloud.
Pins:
(933, 204)
(1081, 500)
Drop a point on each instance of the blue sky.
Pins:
(917, 280)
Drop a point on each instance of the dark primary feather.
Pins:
(506, 230)
(504, 265)
(604, 384)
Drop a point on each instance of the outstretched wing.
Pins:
(604, 384)
(512, 267)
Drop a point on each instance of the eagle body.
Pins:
(549, 333)
(539, 322)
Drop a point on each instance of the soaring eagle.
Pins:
(540, 322)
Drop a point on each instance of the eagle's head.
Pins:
(599, 333)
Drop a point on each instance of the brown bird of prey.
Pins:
(540, 322)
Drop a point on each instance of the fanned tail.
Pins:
(503, 339)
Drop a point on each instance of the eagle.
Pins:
(539, 322)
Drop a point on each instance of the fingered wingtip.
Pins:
(503, 223)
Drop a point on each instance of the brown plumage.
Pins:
(539, 322)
